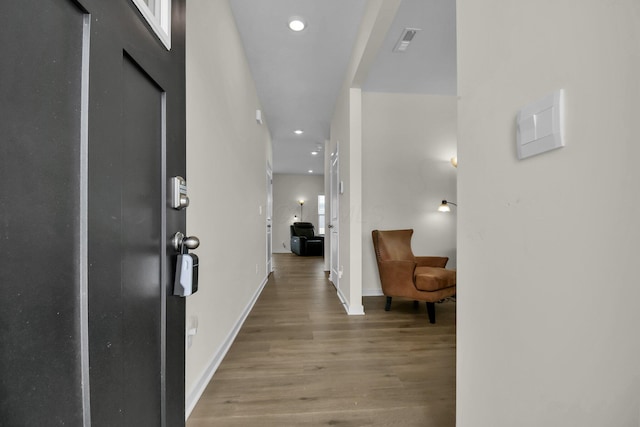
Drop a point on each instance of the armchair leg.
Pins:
(431, 311)
(387, 307)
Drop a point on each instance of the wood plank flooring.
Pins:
(299, 360)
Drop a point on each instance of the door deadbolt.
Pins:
(179, 198)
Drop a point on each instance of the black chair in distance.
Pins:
(304, 241)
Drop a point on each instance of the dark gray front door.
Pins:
(92, 128)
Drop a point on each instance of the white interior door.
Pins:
(334, 229)
(269, 214)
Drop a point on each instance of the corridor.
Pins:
(299, 360)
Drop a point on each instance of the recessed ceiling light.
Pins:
(296, 24)
(314, 153)
(310, 171)
(298, 131)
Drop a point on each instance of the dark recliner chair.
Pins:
(304, 241)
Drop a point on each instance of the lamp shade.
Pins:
(444, 206)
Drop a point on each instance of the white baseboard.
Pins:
(352, 310)
(372, 293)
(356, 310)
(201, 384)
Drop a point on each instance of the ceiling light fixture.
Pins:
(310, 171)
(296, 24)
(314, 153)
(298, 131)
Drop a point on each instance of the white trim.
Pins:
(201, 384)
(269, 219)
(334, 209)
(372, 293)
(354, 184)
(84, 222)
(357, 310)
(159, 20)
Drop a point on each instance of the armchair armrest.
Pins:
(298, 245)
(396, 276)
(432, 261)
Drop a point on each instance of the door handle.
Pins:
(179, 241)
(186, 280)
(330, 225)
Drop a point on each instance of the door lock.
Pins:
(186, 279)
(179, 198)
(180, 241)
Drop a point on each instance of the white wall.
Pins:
(346, 135)
(407, 143)
(227, 154)
(548, 288)
(287, 190)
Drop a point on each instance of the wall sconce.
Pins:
(444, 206)
(454, 161)
(301, 202)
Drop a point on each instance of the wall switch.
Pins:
(539, 126)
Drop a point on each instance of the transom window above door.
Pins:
(158, 15)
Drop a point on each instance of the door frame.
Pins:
(334, 224)
(269, 220)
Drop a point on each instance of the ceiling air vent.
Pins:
(405, 38)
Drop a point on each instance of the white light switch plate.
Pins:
(539, 126)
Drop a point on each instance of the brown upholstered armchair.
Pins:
(404, 275)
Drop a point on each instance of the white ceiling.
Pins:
(429, 64)
(298, 75)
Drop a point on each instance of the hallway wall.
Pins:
(407, 144)
(547, 283)
(227, 155)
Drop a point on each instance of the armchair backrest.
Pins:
(393, 245)
(305, 229)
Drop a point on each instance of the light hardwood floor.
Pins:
(299, 360)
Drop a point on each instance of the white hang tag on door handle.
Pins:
(183, 285)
